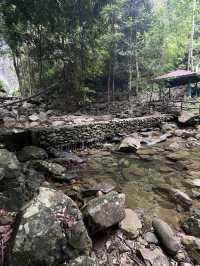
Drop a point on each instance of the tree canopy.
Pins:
(107, 45)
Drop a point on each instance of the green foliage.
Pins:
(122, 43)
(2, 87)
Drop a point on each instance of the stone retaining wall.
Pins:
(79, 135)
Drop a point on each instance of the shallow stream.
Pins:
(144, 178)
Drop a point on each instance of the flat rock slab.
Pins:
(154, 257)
(104, 211)
(166, 236)
(51, 230)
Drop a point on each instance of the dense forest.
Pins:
(101, 45)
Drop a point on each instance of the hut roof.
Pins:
(178, 77)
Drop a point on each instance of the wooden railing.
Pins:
(176, 105)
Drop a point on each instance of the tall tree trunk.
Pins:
(137, 72)
(130, 63)
(113, 57)
(191, 47)
(17, 70)
(108, 84)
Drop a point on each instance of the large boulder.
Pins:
(31, 153)
(129, 144)
(188, 118)
(51, 231)
(166, 237)
(103, 212)
(17, 185)
(192, 246)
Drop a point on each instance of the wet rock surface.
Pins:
(181, 198)
(18, 185)
(166, 236)
(192, 225)
(31, 153)
(51, 231)
(105, 211)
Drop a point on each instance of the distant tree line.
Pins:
(99, 45)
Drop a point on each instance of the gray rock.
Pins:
(83, 261)
(58, 123)
(51, 230)
(192, 226)
(168, 127)
(129, 144)
(103, 212)
(166, 236)
(31, 153)
(66, 157)
(4, 113)
(55, 170)
(195, 182)
(151, 238)
(187, 118)
(181, 198)
(9, 122)
(103, 187)
(195, 212)
(131, 224)
(17, 185)
(192, 245)
(180, 256)
(9, 165)
(42, 116)
(33, 117)
(179, 156)
(154, 257)
(34, 124)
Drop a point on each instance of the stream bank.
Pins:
(155, 182)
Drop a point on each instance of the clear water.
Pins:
(143, 179)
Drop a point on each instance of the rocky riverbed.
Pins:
(134, 203)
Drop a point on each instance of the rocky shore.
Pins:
(48, 218)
